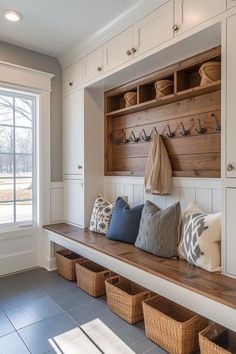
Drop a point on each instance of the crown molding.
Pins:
(110, 30)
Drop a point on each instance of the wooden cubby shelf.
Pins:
(175, 97)
(189, 105)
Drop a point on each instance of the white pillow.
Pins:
(101, 215)
(201, 237)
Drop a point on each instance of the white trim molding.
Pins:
(29, 243)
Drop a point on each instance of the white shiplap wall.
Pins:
(205, 192)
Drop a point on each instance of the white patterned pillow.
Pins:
(201, 237)
(101, 215)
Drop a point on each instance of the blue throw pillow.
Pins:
(125, 222)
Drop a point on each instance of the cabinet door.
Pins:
(231, 3)
(190, 13)
(73, 77)
(93, 65)
(74, 201)
(116, 51)
(230, 98)
(73, 134)
(230, 231)
(154, 29)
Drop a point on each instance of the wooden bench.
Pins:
(212, 295)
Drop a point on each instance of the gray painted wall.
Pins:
(20, 56)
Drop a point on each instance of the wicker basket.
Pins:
(163, 88)
(216, 339)
(130, 99)
(124, 298)
(91, 278)
(210, 72)
(172, 326)
(66, 261)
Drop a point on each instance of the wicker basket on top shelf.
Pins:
(163, 88)
(216, 339)
(210, 72)
(130, 99)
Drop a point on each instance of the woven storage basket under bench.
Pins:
(172, 326)
(66, 261)
(125, 297)
(216, 339)
(91, 278)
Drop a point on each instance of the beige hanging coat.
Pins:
(158, 173)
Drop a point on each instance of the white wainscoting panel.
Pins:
(18, 250)
(205, 192)
(57, 202)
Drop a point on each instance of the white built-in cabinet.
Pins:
(73, 77)
(73, 133)
(74, 201)
(93, 65)
(230, 98)
(230, 245)
(231, 3)
(154, 29)
(190, 13)
(119, 50)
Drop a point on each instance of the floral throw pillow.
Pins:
(101, 215)
(201, 237)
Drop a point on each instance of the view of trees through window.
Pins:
(16, 157)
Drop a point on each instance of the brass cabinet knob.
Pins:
(128, 52)
(229, 167)
(99, 68)
(71, 83)
(133, 50)
(175, 28)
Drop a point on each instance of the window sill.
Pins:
(16, 230)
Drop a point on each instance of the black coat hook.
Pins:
(185, 131)
(124, 140)
(170, 134)
(200, 130)
(134, 138)
(218, 125)
(146, 137)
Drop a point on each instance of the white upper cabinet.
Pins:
(154, 29)
(190, 13)
(73, 77)
(231, 3)
(73, 134)
(118, 50)
(230, 98)
(93, 65)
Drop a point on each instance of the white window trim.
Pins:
(38, 82)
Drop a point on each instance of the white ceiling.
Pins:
(53, 26)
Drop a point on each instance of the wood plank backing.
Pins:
(214, 286)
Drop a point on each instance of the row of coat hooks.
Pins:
(171, 134)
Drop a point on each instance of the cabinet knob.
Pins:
(175, 28)
(128, 52)
(229, 167)
(79, 167)
(99, 68)
(71, 83)
(133, 50)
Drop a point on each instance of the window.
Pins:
(17, 118)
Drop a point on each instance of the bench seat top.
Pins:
(214, 286)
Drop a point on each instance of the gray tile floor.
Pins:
(36, 306)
